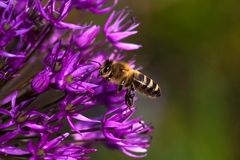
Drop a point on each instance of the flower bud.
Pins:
(86, 38)
(41, 81)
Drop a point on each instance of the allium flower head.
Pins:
(55, 15)
(117, 28)
(49, 80)
(129, 135)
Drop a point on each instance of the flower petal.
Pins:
(127, 46)
(117, 36)
(6, 125)
(55, 141)
(10, 150)
(85, 119)
(7, 136)
(35, 126)
(133, 155)
(3, 5)
(10, 55)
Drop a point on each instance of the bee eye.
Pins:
(106, 69)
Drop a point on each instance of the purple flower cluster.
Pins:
(59, 126)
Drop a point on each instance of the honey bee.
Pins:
(121, 74)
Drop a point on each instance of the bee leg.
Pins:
(128, 100)
(132, 89)
(120, 87)
(130, 96)
(109, 77)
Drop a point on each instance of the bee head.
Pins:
(106, 69)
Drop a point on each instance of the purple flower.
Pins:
(12, 26)
(20, 33)
(115, 29)
(12, 62)
(21, 119)
(43, 110)
(71, 111)
(53, 149)
(72, 75)
(72, 151)
(56, 15)
(130, 136)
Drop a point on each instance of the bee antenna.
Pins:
(95, 62)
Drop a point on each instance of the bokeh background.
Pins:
(192, 49)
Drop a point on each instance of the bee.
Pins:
(121, 74)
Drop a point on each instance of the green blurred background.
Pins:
(191, 48)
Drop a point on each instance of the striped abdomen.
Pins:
(145, 85)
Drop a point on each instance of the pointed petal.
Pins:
(3, 5)
(22, 31)
(10, 150)
(7, 136)
(136, 149)
(133, 155)
(5, 112)
(85, 119)
(55, 141)
(72, 125)
(35, 126)
(64, 25)
(66, 8)
(103, 10)
(41, 10)
(121, 35)
(109, 20)
(5, 125)
(10, 55)
(127, 46)
(82, 70)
